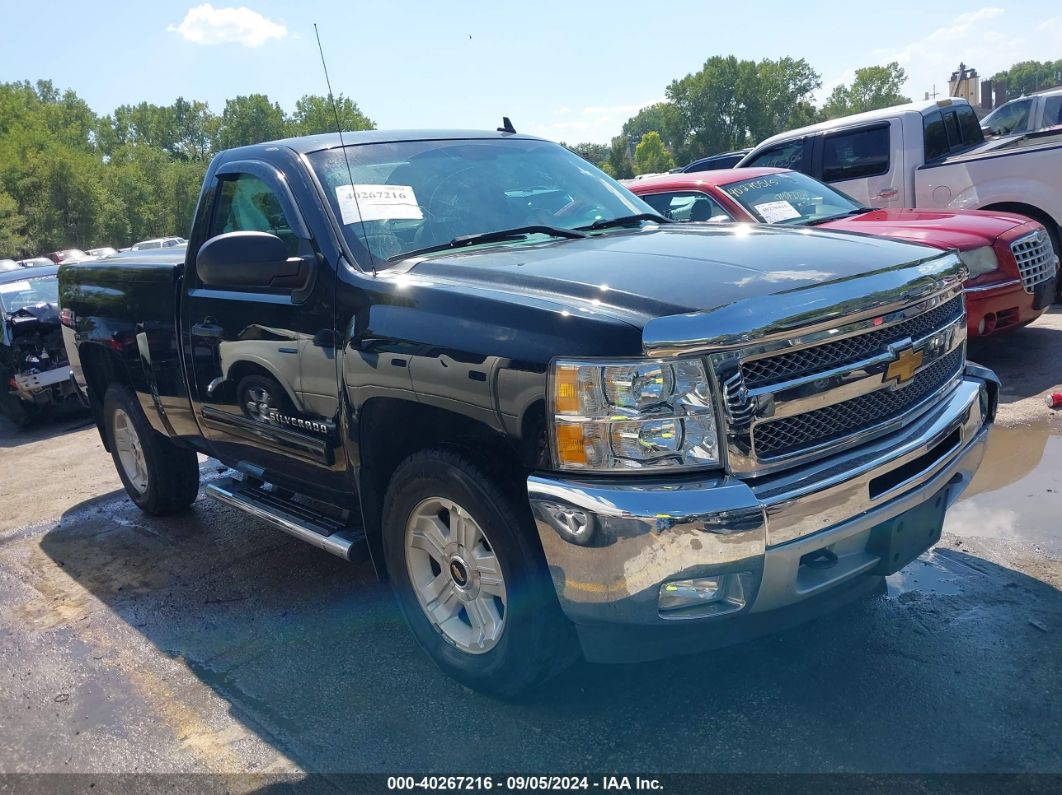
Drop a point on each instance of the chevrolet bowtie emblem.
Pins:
(906, 365)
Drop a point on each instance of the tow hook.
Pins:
(819, 559)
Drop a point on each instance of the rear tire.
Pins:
(22, 414)
(158, 476)
(481, 603)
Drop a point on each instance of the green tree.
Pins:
(1025, 77)
(781, 97)
(251, 120)
(662, 118)
(594, 153)
(314, 114)
(12, 228)
(873, 87)
(619, 164)
(651, 156)
(730, 104)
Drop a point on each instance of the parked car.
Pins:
(554, 419)
(8, 265)
(104, 251)
(723, 160)
(67, 255)
(926, 155)
(1013, 271)
(1029, 114)
(158, 242)
(35, 262)
(34, 369)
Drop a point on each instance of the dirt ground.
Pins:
(209, 643)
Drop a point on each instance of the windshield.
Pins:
(789, 198)
(408, 196)
(1008, 118)
(29, 292)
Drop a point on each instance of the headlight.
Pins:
(629, 415)
(980, 260)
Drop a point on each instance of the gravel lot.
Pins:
(209, 643)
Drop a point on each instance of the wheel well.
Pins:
(392, 430)
(100, 368)
(242, 369)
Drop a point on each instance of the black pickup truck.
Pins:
(554, 421)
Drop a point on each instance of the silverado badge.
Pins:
(906, 365)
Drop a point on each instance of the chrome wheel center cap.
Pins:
(466, 582)
(459, 573)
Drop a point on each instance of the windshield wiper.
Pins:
(516, 233)
(828, 218)
(625, 220)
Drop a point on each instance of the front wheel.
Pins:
(158, 476)
(469, 579)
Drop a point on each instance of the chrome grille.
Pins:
(787, 366)
(1036, 261)
(779, 437)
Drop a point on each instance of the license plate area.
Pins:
(902, 539)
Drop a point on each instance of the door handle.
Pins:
(208, 328)
(888, 193)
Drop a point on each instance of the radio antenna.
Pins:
(343, 147)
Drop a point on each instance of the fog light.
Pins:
(681, 594)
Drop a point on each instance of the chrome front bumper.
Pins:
(634, 536)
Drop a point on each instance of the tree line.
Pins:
(731, 104)
(1025, 77)
(72, 178)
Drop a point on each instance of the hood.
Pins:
(38, 319)
(641, 275)
(961, 230)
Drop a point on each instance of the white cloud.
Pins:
(988, 39)
(204, 24)
(592, 124)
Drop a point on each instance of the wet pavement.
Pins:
(207, 642)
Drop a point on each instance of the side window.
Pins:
(1010, 118)
(969, 126)
(1053, 111)
(247, 204)
(687, 206)
(936, 137)
(855, 154)
(951, 125)
(787, 155)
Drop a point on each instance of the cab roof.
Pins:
(922, 107)
(307, 144)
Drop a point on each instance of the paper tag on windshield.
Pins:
(773, 212)
(377, 203)
(15, 287)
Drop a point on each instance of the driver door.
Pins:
(253, 350)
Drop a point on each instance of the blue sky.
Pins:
(568, 71)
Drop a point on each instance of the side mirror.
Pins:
(250, 259)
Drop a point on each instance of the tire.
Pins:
(22, 414)
(257, 394)
(533, 640)
(158, 476)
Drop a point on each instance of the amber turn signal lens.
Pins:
(571, 446)
(566, 384)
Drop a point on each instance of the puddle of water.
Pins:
(1017, 492)
(928, 574)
